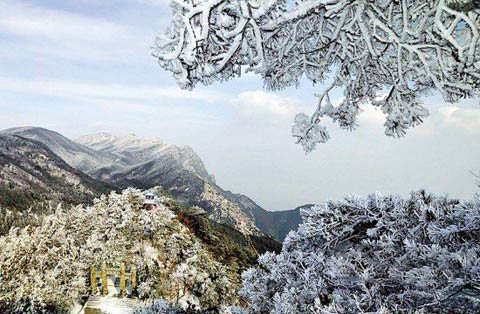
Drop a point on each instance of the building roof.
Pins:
(149, 198)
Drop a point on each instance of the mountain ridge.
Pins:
(74, 154)
(131, 161)
(138, 150)
(33, 179)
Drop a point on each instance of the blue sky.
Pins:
(83, 66)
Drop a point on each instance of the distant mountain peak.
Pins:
(27, 129)
(130, 142)
(74, 154)
(20, 128)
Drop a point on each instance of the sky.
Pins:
(84, 66)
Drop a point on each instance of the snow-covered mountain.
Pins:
(33, 177)
(28, 163)
(142, 162)
(156, 162)
(145, 163)
(142, 150)
(178, 169)
(76, 155)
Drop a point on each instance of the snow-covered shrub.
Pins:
(163, 307)
(50, 262)
(379, 254)
(20, 208)
(30, 306)
(158, 307)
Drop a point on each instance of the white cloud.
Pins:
(56, 25)
(67, 89)
(371, 114)
(155, 2)
(261, 104)
(463, 118)
(467, 119)
(115, 106)
(43, 32)
(443, 119)
(447, 111)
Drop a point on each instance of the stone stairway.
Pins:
(110, 305)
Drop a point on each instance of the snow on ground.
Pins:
(108, 305)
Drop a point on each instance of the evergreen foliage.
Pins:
(223, 240)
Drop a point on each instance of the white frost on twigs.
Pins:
(409, 48)
(379, 254)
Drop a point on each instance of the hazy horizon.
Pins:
(83, 67)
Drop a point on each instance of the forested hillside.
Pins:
(180, 256)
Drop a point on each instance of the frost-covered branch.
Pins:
(409, 48)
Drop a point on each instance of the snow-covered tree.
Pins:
(379, 254)
(48, 265)
(386, 52)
